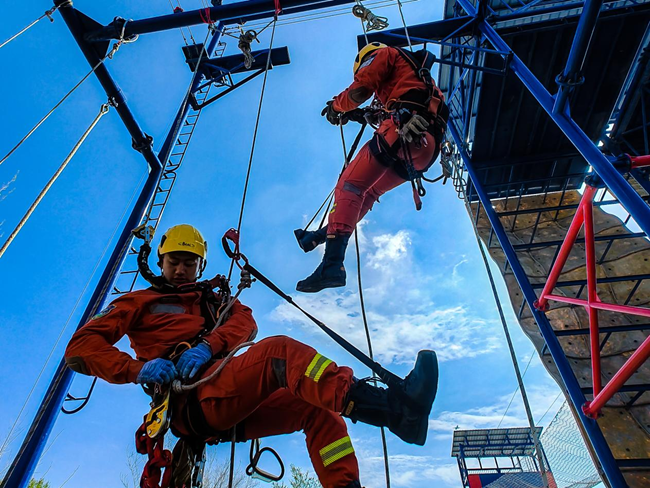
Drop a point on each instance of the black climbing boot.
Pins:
(330, 273)
(308, 240)
(403, 408)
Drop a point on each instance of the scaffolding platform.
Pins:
(516, 147)
(499, 457)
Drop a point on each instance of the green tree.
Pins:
(38, 483)
(300, 479)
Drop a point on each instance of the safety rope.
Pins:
(177, 386)
(109, 55)
(321, 14)
(511, 348)
(102, 111)
(406, 29)
(514, 393)
(257, 124)
(48, 14)
(373, 22)
(176, 10)
(235, 254)
(327, 203)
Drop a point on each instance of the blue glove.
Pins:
(192, 360)
(160, 371)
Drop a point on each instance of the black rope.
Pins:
(257, 124)
(330, 196)
(116, 46)
(231, 472)
(385, 375)
(84, 400)
(511, 347)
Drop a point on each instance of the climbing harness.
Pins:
(48, 14)
(232, 236)
(215, 309)
(159, 459)
(109, 55)
(414, 113)
(102, 111)
(372, 21)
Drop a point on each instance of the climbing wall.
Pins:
(622, 259)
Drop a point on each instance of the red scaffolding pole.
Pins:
(584, 217)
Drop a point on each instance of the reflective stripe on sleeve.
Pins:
(336, 450)
(317, 366)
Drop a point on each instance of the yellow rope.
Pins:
(103, 111)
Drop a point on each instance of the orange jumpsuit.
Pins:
(277, 386)
(386, 74)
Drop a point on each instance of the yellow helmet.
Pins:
(183, 237)
(365, 50)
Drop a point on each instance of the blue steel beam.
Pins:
(570, 383)
(614, 181)
(229, 14)
(28, 455)
(631, 91)
(572, 73)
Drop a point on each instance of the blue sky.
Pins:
(425, 285)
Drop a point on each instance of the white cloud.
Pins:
(402, 317)
(5, 186)
(540, 398)
(389, 249)
(408, 471)
(456, 277)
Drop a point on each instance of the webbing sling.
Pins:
(386, 376)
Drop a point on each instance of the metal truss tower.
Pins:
(541, 94)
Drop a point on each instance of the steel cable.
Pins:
(511, 349)
(48, 14)
(103, 111)
(257, 124)
(67, 322)
(110, 55)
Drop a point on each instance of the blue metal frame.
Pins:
(557, 108)
(571, 75)
(29, 453)
(570, 383)
(614, 181)
(25, 461)
(233, 13)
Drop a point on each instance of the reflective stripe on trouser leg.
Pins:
(336, 450)
(317, 366)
